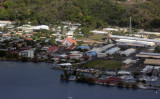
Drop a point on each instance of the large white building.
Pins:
(134, 42)
(27, 53)
(134, 38)
(99, 32)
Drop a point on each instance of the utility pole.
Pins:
(130, 25)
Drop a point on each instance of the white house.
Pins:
(27, 53)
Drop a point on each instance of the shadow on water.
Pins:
(64, 81)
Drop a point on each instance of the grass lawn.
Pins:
(107, 64)
(97, 37)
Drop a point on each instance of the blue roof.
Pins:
(83, 47)
(91, 53)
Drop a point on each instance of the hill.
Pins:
(91, 13)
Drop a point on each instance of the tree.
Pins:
(134, 85)
(120, 84)
(3, 53)
(138, 81)
(143, 81)
(157, 49)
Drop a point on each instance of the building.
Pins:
(53, 49)
(69, 41)
(113, 50)
(4, 23)
(148, 55)
(103, 48)
(70, 33)
(99, 32)
(76, 55)
(115, 29)
(134, 38)
(101, 55)
(128, 52)
(44, 27)
(91, 53)
(122, 72)
(134, 42)
(83, 47)
(152, 62)
(127, 61)
(149, 33)
(27, 53)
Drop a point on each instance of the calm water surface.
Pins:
(26, 80)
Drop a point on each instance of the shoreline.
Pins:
(38, 61)
(154, 87)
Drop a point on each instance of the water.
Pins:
(26, 80)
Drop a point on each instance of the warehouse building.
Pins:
(113, 50)
(148, 55)
(128, 52)
(104, 48)
(134, 42)
(134, 38)
(152, 62)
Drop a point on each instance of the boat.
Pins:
(156, 92)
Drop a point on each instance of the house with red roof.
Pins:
(114, 79)
(69, 41)
(53, 49)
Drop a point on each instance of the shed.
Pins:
(127, 61)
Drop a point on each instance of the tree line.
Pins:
(90, 13)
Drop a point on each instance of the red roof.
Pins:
(71, 47)
(86, 56)
(71, 41)
(53, 48)
(114, 79)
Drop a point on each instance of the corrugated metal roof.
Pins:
(146, 53)
(152, 61)
(135, 38)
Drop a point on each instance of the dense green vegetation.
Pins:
(157, 49)
(107, 64)
(91, 13)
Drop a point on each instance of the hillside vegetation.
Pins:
(91, 13)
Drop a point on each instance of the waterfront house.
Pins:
(116, 79)
(76, 55)
(27, 53)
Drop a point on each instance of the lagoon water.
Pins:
(27, 80)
